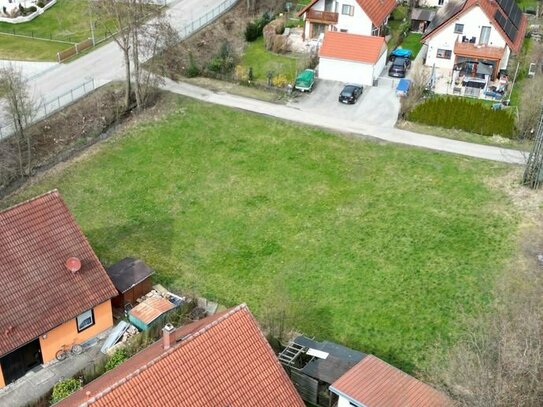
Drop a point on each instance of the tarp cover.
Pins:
(403, 85)
(402, 52)
(305, 79)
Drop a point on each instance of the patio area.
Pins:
(464, 83)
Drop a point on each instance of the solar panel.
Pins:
(510, 30)
(500, 18)
(516, 16)
(510, 19)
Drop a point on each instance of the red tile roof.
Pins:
(38, 293)
(223, 360)
(352, 47)
(375, 383)
(489, 7)
(150, 309)
(376, 10)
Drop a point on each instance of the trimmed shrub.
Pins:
(463, 114)
(280, 81)
(40, 4)
(64, 388)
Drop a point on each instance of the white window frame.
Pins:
(347, 10)
(456, 31)
(447, 53)
(82, 320)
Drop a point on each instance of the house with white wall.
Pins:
(475, 37)
(432, 3)
(364, 17)
(352, 58)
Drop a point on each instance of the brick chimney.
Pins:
(168, 338)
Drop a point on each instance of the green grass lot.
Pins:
(376, 246)
(21, 49)
(68, 20)
(412, 42)
(263, 61)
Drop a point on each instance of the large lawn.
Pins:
(21, 49)
(372, 245)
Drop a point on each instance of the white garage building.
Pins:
(352, 58)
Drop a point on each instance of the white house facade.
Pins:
(432, 3)
(469, 32)
(360, 59)
(364, 17)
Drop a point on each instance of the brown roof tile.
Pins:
(223, 360)
(353, 47)
(150, 309)
(38, 292)
(375, 383)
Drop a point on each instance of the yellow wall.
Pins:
(2, 382)
(66, 334)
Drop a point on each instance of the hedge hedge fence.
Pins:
(464, 114)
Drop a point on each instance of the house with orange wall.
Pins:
(55, 291)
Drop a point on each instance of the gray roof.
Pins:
(443, 14)
(422, 14)
(340, 359)
(127, 273)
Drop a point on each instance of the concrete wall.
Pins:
(66, 334)
(381, 63)
(358, 23)
(473, 20)
(346, 71)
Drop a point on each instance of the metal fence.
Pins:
(204, 20)
(51, 106)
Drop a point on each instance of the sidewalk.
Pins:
(357, 128)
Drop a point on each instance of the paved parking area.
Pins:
(378, 106)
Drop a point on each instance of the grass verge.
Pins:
(375, 246)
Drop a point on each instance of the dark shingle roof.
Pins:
(38, 291)
(128, 272)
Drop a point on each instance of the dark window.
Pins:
(85, 320)
(458, 28)
(343, 30)
(444, 53)
(440, 2)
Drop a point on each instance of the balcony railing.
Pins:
(326, 17)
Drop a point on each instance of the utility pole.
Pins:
(92, 33)
(533, 174)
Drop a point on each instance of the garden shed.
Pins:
(358, 59)
(421, 19)
(314, 366)
(147, 312)
(132, 279)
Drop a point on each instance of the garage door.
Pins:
(346, 71)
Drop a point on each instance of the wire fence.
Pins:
(54, 105)
(204, 20)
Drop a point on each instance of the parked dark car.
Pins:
(350, 94)
(399, 67)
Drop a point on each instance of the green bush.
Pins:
(64, 388)
(463, 114)
(40, 4)
(192, 71)
(118, 357)
(254, 29)
(223, 62)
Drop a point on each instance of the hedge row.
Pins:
(464, 114)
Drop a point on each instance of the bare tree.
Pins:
(19, 110)
(117, 15)
(419, 84)
(140, 41)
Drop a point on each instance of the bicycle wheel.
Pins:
(61, 355)
(77, 349)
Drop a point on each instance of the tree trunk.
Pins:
(126, 53)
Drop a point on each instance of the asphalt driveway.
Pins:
(378, 106)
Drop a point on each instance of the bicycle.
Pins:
(64, 350)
